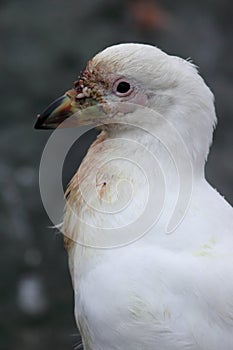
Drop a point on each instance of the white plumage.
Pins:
(163, 291)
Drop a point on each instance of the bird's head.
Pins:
(144, 76)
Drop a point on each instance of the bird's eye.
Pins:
(122, 88)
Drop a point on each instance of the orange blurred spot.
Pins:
(149, 14)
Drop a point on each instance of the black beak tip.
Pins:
(39, 124)
(47, 120)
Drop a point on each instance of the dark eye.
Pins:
(123, 87)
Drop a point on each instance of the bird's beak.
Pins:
(62, 109)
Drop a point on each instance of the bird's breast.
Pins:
(104, 197)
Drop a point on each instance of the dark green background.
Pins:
(43, 47)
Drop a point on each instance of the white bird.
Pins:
(151, 290)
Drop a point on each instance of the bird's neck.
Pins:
(173, 156)
(126, 180)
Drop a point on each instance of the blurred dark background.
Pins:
(44, 45)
